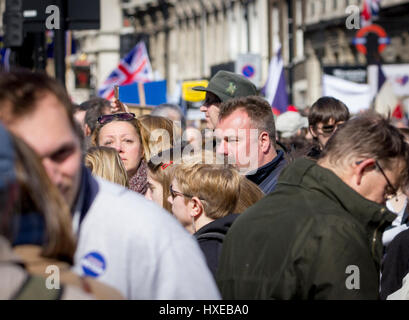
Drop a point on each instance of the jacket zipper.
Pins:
(374, 241)
(376, 232)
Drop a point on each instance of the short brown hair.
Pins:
(258, 110)
(162, 165)
(217, 185)
(326, 108)
(21, 89)
(367, 135)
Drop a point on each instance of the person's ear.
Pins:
(196, 207)
(264, 141)
(87, 130)
(312, 131)
(361, 168)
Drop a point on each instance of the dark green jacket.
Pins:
(307, 240)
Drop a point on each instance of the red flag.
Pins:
(398, 113)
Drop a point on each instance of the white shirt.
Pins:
(137, 247)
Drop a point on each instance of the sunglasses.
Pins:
(329, 129)
(213, 100)
(124, 116)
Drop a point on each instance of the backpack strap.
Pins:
(211, 236)
(34, 288)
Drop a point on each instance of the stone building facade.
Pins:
(190, 39)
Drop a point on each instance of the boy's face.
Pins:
(323, 131)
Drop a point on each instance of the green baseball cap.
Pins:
(228, 85)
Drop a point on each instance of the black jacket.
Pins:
(304, 241)
(266, 176)
(395, 265)
(210, 238)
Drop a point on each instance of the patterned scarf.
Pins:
(139, 181)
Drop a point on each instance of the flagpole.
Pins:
(59, 44)
(291, 50)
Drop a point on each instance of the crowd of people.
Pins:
(303, 205)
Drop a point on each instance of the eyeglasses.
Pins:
(174, 194)
(390, 190)
(124, 116)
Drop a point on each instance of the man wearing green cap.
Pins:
(222, 87)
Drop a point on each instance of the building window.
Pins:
(312, 8)
(323, 5)
(334, 4)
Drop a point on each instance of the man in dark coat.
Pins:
(319, 235)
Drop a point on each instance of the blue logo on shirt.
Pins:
(93, 264)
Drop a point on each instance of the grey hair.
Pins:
(163, 109)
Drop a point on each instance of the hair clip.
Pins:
(165, 165)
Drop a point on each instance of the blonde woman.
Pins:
(121, 132)
(106, 163)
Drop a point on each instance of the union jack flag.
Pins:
(135, 67)
(370, 10)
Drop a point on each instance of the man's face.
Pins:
(238, 140)
(211, 109)
(381, 183)
(324, 131)
(48, 131)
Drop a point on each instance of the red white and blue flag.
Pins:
(275, 89)
(386, 102)
(135, 67)
(370, 10)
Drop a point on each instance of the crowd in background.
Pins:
(255, 206)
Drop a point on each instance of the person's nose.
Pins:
(221, 148)
(203, 108)
(118, 146)
(170, 199)
(53, 171)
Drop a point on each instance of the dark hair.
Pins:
(368, 135)
(405, 132)
(21, 89)
(326, 108)
(77, 107)
(258, 110)
(95, 108)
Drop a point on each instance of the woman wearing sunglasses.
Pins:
(121, 132)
